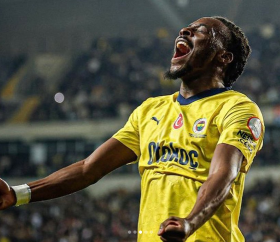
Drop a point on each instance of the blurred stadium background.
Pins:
(71, 71)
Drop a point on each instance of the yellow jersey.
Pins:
(174, 139)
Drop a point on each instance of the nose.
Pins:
(186, 32)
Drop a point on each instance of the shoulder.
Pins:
(237, 96)
(238, 99)
(240, 108)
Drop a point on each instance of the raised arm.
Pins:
(225, 167)
(108, 157)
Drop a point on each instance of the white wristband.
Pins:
(23, 194)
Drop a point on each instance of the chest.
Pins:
(184, 125)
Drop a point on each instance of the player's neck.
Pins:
(189, 89)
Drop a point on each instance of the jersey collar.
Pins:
(207, 93)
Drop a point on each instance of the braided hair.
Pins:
(237, 43)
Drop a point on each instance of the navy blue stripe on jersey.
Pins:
(207, 93)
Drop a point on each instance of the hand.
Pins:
(7, 195)
(174, 229)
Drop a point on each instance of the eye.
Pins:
(202, 29)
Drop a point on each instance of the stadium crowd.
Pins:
(78, 218)
(8, 67)
(113, 218)
(113, 75)
(260, 214)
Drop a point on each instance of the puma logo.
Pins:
(156, 120)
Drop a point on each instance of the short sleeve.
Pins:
(243, 127)
(129, 134)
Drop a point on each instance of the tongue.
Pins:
(183, 49)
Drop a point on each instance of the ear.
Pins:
(225, 57)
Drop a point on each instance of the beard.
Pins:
(173, 75)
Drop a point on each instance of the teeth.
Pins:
(181, 43)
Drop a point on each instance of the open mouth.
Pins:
(182, 49)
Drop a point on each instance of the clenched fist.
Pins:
(7, 195)
(174, 229)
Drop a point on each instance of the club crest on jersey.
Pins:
(199, 125)
(255, 126)
(179, 122)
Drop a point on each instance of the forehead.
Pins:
(210, 23)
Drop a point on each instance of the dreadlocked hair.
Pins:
(237, 43)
